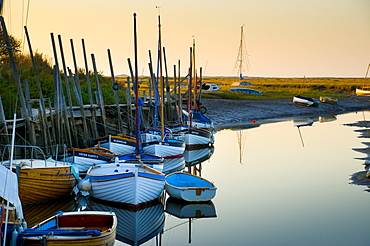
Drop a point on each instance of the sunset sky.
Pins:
(284, 38)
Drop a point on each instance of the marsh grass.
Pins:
(276, 88)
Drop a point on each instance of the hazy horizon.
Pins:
(284, 38)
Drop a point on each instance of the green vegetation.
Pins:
(275, 88)
(9, 92)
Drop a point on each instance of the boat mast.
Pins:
(241, 54)
(195, 84)
(161, 76)
(137, 149)
(190, 82)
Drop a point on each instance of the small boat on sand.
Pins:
(305, 101)
(365, 91)
(330, 100)
(73, 228)
(246, 91)
(188, 187)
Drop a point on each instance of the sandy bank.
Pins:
(227, 113)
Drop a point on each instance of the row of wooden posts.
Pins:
(60, 123)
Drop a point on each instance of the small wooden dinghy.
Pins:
(188, 187)
(330, 100)
(73, 228)
(42, 179)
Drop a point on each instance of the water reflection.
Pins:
(362, 177)
(241, 134)
(135, 227)
(198, 155)
(189, 211)
(38, 212)
(285, 195)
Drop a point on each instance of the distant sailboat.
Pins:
(242, 62)
(242, 59)
(365, 90)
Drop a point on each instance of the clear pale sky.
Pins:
(284, 38)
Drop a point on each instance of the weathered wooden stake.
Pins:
(100, 99)
(115, 87)
(61, 93)
(71, 116)
(47, 138)
(94, 129)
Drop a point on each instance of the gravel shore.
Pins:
(227, 113)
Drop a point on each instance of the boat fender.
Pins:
(24, 224)
(85, 185)
(13, 241)
(20, 228)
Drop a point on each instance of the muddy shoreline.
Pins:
(227, 113)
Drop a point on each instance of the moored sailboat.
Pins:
(154, 143)
(138, 183)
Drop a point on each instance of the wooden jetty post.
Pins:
(99, 96)
(48, 140)
(80, 101)
(60, 95)
(115, 87)
(25, 112)
(94, 131)
(68, 91)
(4, 128)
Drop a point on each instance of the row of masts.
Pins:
(62, 122)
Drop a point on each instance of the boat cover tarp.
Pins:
(9, 188)
(196, 116)
(35, 232)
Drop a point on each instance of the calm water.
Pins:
(272, 190)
